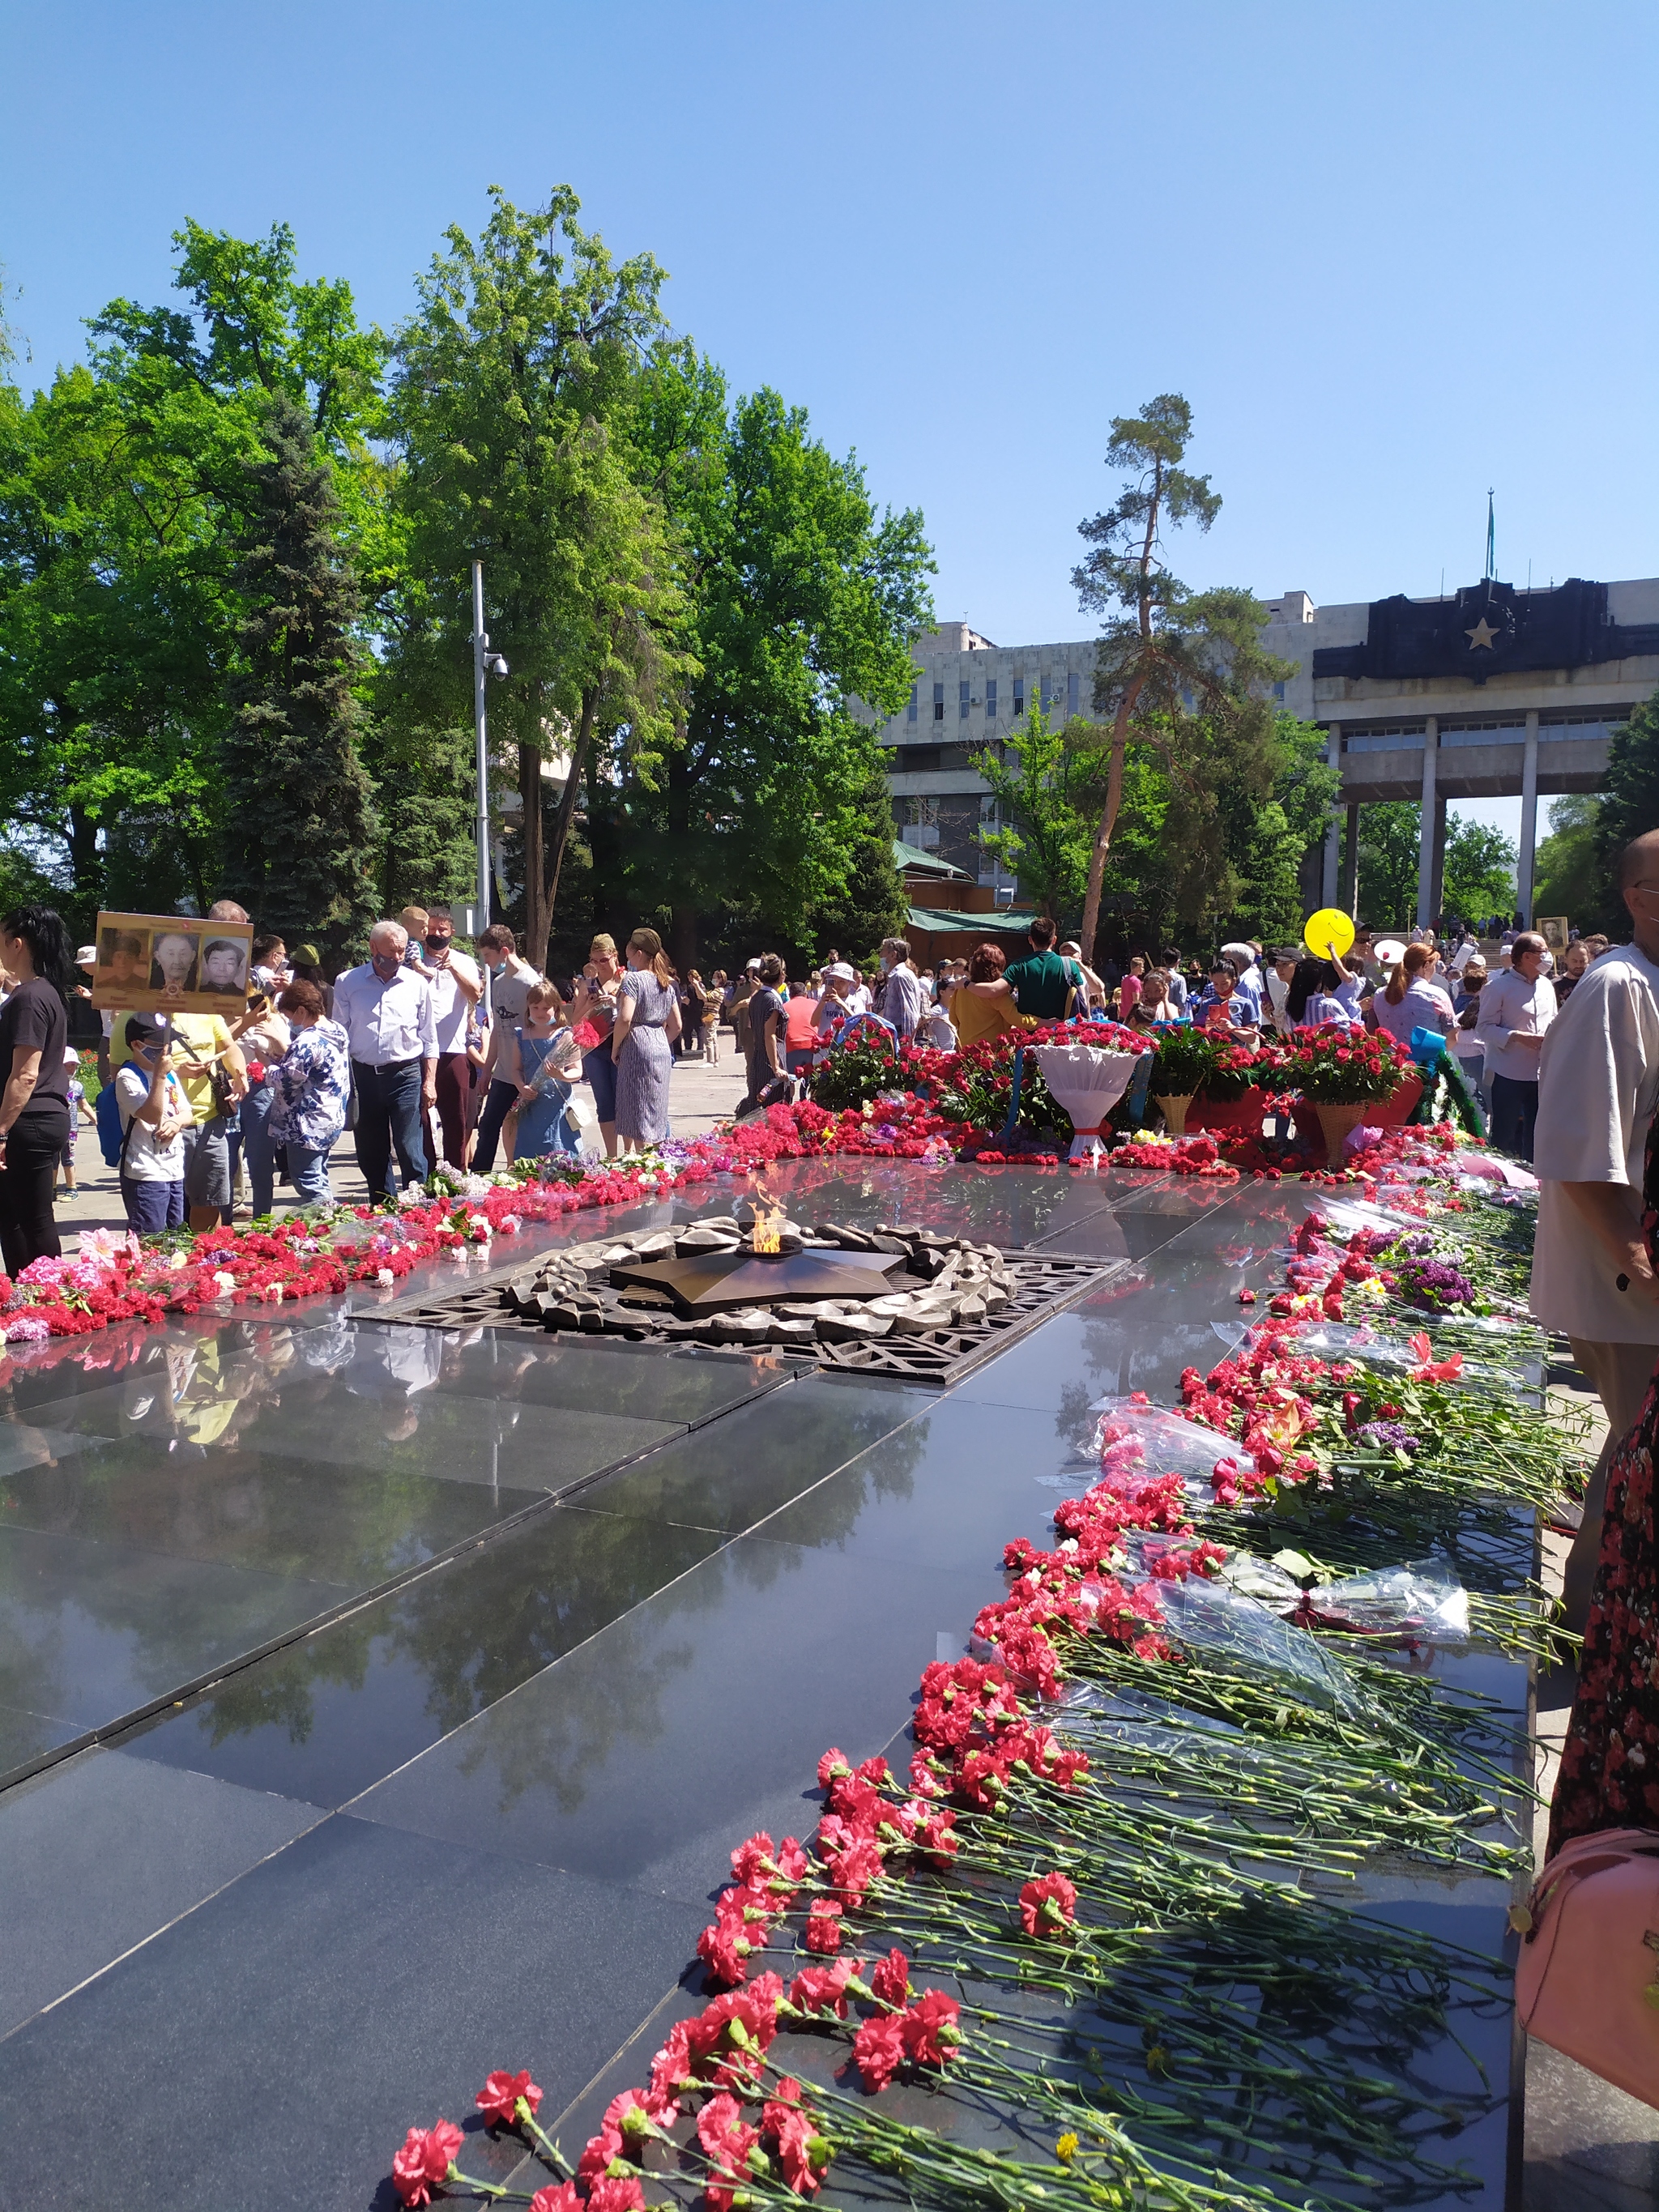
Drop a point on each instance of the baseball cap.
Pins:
(840, 972)
(752, 967)
(87, 956)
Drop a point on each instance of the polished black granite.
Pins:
(948, 1491)
(685, 1386)
(734, 1471)
(174, 1837)
(546, 1744)
(89, 1632)
(272, 2047)
(346, 1706)
(644, 1756)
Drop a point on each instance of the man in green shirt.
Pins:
(1043, 983)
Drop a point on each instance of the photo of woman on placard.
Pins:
(123, 959)
(173, 962)
(224, 963)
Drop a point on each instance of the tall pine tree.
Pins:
(301, 830)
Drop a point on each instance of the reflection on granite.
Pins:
(338, 1711)
(645, 1754)
(89, 1632)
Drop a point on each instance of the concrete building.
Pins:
(1489, 692)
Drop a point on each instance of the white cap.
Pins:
(840, 972)
(752, 968)
(87, 956)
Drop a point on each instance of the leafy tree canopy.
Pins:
(1478, 877)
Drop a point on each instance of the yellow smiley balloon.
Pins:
(1329, 932)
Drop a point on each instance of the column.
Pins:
(1528, 819)
(1425, 833)
(1334, 835)
(1438, 884)
(1348, 891)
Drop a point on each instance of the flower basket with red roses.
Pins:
(1344, 1068)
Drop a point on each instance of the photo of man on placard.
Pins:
(224, 965)
(171, 963)
(123, 963)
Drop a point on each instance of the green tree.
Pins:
(512, 396)
(801, 599)
(1273, 810)
(1169, 656)
(1568, 875)
(123, 489)
(1478, 877)
(116, 632)
(1388, 842)
(871, 904)
(300, 827)
(1627, 805)
(1046, 802)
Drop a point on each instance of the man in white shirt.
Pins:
(1249, 987)
(385, 1010)
(1516, 1009)
(1598, 1092)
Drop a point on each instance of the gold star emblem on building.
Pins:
(1482, 634)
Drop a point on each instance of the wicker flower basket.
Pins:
(1174, 1111)
(1336, 1122)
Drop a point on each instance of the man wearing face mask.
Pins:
(456, 988)
(386, 1011)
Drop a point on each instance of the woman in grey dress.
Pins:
(648, 1022)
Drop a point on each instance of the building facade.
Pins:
(1488, 692)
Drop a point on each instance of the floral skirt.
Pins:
(1610, 1764)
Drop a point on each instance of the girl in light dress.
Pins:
(543, 1059)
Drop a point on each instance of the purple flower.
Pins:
(1434, 1283)
(1391, 1435)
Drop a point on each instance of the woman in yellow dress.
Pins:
(984, 1006)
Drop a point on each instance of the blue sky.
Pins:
(1391, 255)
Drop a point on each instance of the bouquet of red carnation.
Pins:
(1345, 1067)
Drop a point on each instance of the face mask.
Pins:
(437, 944)
(385, 965)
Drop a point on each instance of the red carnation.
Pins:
(832, 1764)
(878, 2049)
(498, 2100)
(891, 1978)
(824, 1926)
(823, 1989)
(929, 2028)
(565, 2197)
(423, 2163)
(1048, 1904)
(621, 2193)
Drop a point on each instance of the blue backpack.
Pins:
(109, 1126)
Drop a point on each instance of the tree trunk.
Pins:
(683, 925)
(537, 914)
(572, 784)
(1102, 844)
(85, 860)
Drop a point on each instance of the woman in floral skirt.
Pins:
(1609, 1775)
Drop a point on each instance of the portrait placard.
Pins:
(1553, 929)
(174, 963)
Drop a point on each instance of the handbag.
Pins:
(1587, 1981)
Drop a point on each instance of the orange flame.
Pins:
(767, 1234)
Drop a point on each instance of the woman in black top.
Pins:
(34, 1110)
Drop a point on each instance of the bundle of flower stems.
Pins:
(1109, 1942)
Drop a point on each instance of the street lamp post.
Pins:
(485, 663)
